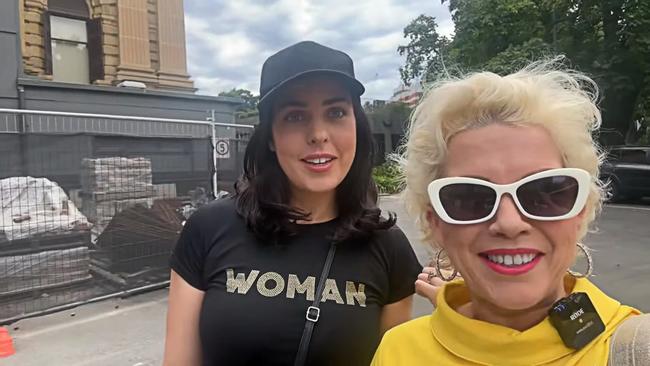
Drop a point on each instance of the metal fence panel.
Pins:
(92, 205)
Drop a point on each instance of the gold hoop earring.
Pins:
(442, 276)
(590, 263)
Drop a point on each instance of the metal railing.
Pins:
(62, 122)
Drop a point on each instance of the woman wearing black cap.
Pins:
(299, 267)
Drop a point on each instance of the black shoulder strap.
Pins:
(313, 312)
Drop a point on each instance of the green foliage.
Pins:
(424, 49)
(516, 57)
(608, 39)
(388, 178)
(485, 28)
(250, 100)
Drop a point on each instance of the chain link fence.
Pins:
(91, 205)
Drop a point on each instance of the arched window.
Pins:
(73, 42)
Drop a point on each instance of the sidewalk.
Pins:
(100, 335)
(128, 332)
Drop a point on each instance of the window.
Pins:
(69, 41)
(73, 42)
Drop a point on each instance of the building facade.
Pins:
(101, 56)
(105, 42)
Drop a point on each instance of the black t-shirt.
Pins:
(257, 294)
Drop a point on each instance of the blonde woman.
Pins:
(502, 173)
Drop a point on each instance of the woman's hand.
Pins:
(428, 284)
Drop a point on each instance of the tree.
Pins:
(609, 39)
(486, 28)
(424, 50)
(250, 100)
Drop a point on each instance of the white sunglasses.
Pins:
(551, 195)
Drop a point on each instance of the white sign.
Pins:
(223, 149)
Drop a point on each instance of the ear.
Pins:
(271, 146)
(435, 224)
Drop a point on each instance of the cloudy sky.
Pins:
(228, 40)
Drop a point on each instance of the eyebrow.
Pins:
(291, 103)
(489, 180)
(299, 104)
(336, 100)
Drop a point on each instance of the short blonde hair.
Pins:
(542, 94)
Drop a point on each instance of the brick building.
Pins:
(104, 42)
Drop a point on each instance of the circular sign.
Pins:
(222, 147)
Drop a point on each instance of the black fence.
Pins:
(91, 206)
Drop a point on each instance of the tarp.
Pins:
(31, 206)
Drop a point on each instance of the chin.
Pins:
(323, 186)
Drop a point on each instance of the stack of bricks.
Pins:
(111, 185)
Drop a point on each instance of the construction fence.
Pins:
(92, 205)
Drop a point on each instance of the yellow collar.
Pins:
(486, 343)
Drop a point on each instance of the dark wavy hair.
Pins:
(263, 193)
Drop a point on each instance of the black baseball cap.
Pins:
(302, 59)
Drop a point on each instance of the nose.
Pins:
(318, 132)
(508, 221)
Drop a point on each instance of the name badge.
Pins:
(576, 320)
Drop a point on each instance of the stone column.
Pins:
(172, 56)
(135, 57)
(152, 7)
(33, 40)
(107, 11)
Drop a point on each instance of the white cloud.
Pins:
(220, 47)
(446, 27)
(383, 44)
(380, 88)
(213, 86)
(228, 40)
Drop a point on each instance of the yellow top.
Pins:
(448, 338)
